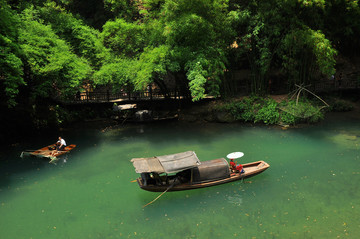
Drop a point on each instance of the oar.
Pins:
(172, 185)
(123, 121)
(53, 159)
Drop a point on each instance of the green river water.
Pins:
(309, 191)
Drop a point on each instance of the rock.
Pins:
(224, 117)
(188, 117)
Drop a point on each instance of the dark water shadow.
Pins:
(176, 132)
(12, 166)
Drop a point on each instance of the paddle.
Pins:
(53, 159)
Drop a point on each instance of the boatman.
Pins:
(60, 146)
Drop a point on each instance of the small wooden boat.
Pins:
(184, 171)
(130, 114)
(152, 119)
(46, 152)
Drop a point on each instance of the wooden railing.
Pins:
(332, 85)
(108, 96)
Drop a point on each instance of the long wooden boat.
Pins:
(129, 113)
(184, 171)
(146, 120)
(46, 152)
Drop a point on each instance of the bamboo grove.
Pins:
(54, 48)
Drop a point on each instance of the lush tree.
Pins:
(269, 35)
(84, 40)
(185, 39)
(306, 55)
(199, 34)
(124, 42)
(125, 39)
(125, 9)
(192, 42)
(11, 74)
(118, 73)
(342, 25)
(54, 70)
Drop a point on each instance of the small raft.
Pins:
(46, 152)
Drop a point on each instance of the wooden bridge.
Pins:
(125, 97)
(335, 85)
(107, 96)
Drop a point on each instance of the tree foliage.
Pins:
(306, 54)
(11, 74)
(124, 39)
(283, 35)
(54, 69)
(84, 40)
(53, 48)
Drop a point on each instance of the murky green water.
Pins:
(310, 190)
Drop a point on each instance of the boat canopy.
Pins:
(211, 170)
(171, 163)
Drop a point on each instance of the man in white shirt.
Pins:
(60, 145)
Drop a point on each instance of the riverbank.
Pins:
(272, 110)
(17, 124)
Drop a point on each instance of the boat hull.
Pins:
(46, 152)
(251, 169)
(150, 120)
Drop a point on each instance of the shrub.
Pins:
(256, 109)
(268, 113)
(249, 107)
(341, 106)
(287, 118)
(303, 111)
(244, 109)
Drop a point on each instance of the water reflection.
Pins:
(235, 199)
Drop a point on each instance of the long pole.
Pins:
(172, 185)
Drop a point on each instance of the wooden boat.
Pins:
(184, 171)
(46, 152)
(130, 114)
(152, 119)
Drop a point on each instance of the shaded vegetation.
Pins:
(266, 110)
(55, 48)
(52, 49)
